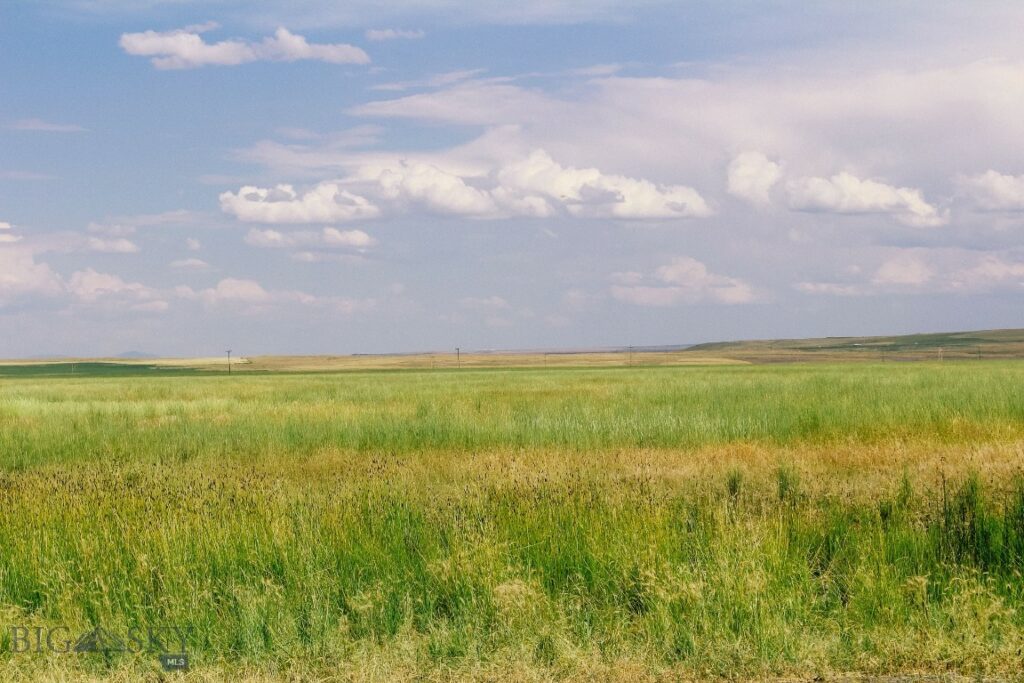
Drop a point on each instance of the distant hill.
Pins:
(978, 344)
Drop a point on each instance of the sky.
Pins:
(179, 177)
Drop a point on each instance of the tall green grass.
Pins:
(524, 524)
(160, 419)
(709, 579)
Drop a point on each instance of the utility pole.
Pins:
(229, 361)
(458, 356)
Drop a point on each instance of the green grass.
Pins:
(87, 369)
(182, 418)
(617, 523)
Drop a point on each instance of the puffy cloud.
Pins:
(589, 192)
(919, 122)
(285, 46)
(271, 239)
(994, 191)
(93, 288)
(752, 175)
(990, 272)
(236, 290)
(332, 237)
(328, 202)
(903, 270)
(6, 236)
(22, 276)
(683, 280)
(378, 34)
(846, 194)
(328, 237)
(192, 244)
(435, 189)
(185, 49)
(111, 246)
(932, 271)
(89, 286)
(533, 186)
(41, 126)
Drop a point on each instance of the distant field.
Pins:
(619, 523)
(424, 361)
(952, 346)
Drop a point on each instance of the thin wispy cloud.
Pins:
(381, 34)
(25, 175)
(41, 126)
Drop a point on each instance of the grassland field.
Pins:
(546, 523)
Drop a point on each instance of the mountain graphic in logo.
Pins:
(100, 640)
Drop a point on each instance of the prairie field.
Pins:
(545, 523)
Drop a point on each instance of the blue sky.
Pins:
(182, 177)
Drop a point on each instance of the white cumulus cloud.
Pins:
(903, 270)
(534, 185)
(21, 275)
(994, 191)
(589, 192)
(236, 290)
(435, 189)
(186, 49)
(104, 289)
(752, 175)
(845, 193)
(328, 202)
(684, 280)
(930, 271)
(6, 236)
(991, 271)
